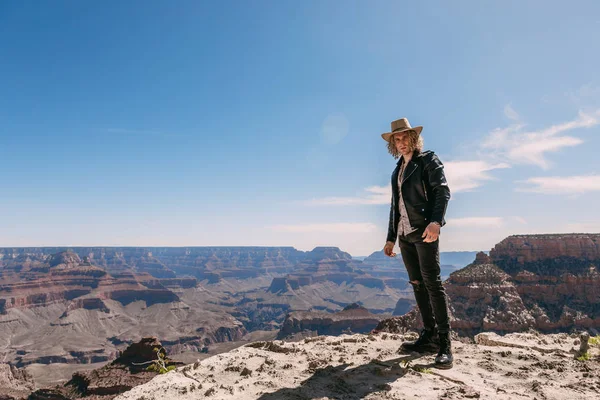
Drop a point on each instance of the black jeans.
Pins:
(422, 261)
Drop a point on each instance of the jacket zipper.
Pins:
(395, 227)
(424, 191)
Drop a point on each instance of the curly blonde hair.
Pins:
(415, 141)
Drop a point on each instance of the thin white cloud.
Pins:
(566, 185)
(463, 176)
(500, 149)
(515, 146)
(374, 195)
(532, 151)
(499, 136)
(510, 113)
(344, 227)
(483, 222)
(583, 120)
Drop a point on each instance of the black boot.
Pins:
(444, 358)
(427, 342)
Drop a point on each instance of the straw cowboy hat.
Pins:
(400, 125)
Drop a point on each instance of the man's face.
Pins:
(402, 142)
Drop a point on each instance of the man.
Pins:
(420, 195)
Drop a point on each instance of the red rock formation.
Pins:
(555, 275)
(325, 270)
(65, 277)
(531, 248)
(545, 282)
(353, 318)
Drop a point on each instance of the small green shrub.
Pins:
(407, 364)
(584, 357)
(594, 341)
(160, 364)
(422, 370)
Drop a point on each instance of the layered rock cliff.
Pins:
(65, 277)
(328, 280)
(80, 306)
(549, 283)
(526, 251)
(557, 277)
(483, 297)
(62, 309)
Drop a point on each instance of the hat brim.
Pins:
(386, 136)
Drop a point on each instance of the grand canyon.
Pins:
(78, 309)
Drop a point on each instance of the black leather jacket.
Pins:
(425, 192)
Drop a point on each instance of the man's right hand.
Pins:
(388, 249)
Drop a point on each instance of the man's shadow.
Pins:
(352, 383)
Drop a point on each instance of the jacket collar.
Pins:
(416, 154)
(411, 167)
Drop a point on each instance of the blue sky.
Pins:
(258, 123)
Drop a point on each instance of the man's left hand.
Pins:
(432, 232)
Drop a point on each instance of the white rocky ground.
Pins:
(515, 366)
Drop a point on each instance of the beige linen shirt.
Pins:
(404, 227)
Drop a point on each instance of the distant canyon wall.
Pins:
(212, 263)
